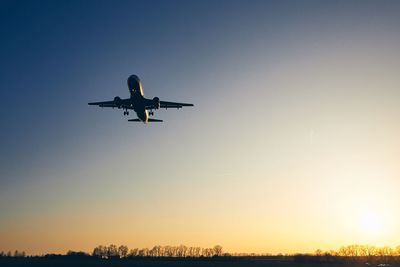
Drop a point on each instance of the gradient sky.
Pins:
(293, 143)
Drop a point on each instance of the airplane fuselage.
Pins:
(137, 98)
(138, 102)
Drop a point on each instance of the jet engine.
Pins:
(118, 101)
(156, 101)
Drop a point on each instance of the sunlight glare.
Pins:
(372, 223)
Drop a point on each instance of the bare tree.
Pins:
(100, 251)
(397, 251)
(190, 252)
(197, 251)
(112, 251)
(217, 250)
(318, 252)
(144, 252)
(170, 251)
(181, 251)
(207, 252)
(123, 251)
(19, 254)
(133, 252)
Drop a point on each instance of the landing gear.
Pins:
(126, 113)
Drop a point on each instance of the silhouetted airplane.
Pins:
(139, 103)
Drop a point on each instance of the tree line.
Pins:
(182, 251)
(354, 253)
(361, 251)
(16, 254)
(119, 252)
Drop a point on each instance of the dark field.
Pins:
(42, 262)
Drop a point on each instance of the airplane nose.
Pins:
(133, 80)
(133, 77)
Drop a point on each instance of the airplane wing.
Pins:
(166, 104)
(120, 103)
(110, 104)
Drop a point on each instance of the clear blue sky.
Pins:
(285, 93)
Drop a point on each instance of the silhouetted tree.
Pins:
(190, 252)
(100, 251)
(123, 251)
(144, 252)
(181, 251)
(197, 251)
(169, 251)
(217, 250)
(318, 252)
(397, 251)
(19, 254)
(153, 252)
(112, 251)
(207, 252)
(133, 252)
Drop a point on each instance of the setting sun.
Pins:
(372, 223)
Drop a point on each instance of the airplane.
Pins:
(139, 103)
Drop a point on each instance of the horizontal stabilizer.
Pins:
(149, 120)
(154, 120)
